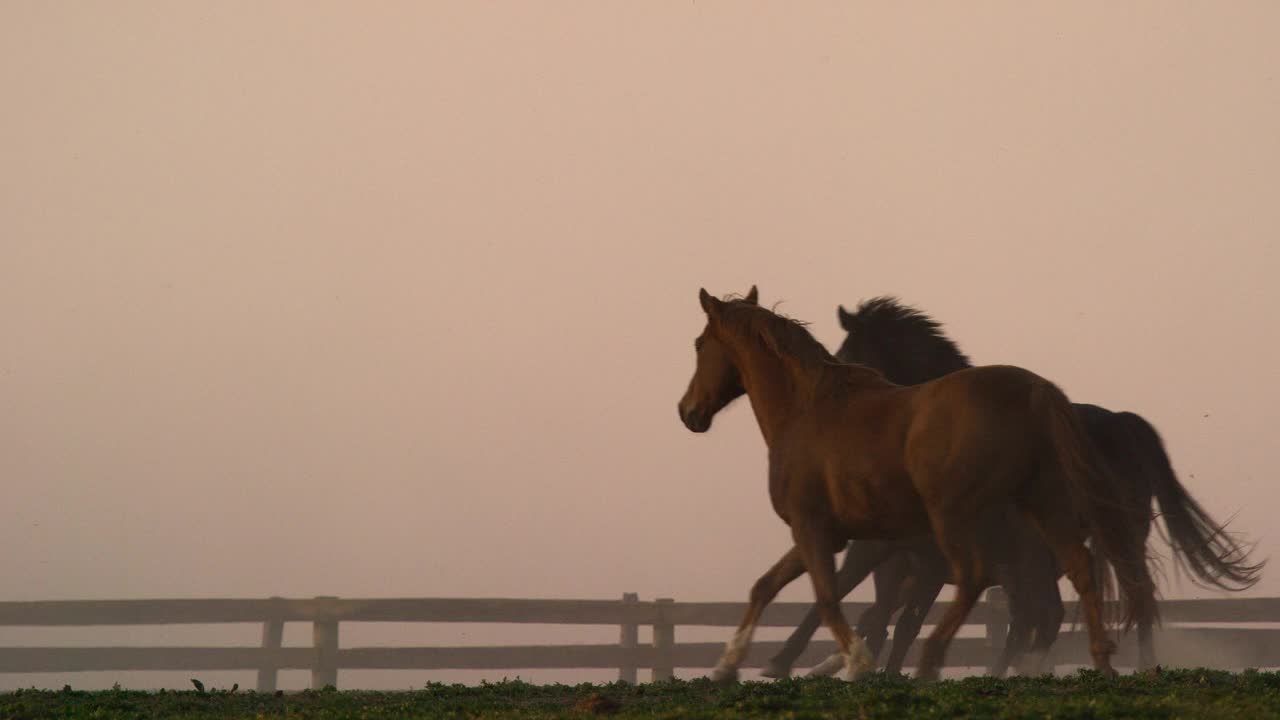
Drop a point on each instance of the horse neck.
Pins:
(913, 371)
(777, 388)
(909, 363)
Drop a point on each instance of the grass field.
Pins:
(1170, 694)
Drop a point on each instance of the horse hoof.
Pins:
(724, 675)
(1033, 664)
(1102, 652)
(856, 666)
(1104, 668)
(827, 667)
(775, 670)
(855, 671)
(927, 674)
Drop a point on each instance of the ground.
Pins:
(1170, 694)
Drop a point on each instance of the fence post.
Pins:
(997, 623)
(272, 635)
(664, 640)
(628, 640)
(324, 636)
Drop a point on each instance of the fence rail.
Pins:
(1215, 646)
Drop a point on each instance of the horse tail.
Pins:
(1109, 515)
(1201, 546)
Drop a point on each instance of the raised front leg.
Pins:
(790, 567)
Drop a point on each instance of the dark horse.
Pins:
(855, 456)
(909, 348)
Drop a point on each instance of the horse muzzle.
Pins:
(698, 422)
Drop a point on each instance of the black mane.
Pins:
(906, 345)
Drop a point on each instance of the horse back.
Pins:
(977, 417)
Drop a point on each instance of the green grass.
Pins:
(1171, 694)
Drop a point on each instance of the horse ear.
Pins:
(753, 296)
(710, 305)
(846, 318)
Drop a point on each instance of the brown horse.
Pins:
(852, 456)
(909, 348)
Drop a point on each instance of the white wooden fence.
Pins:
(1177, 646)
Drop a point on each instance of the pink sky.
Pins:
(397, 299)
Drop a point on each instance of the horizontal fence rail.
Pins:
(1195, 646)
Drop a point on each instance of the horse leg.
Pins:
(1016, 642)
(890, 579)
(1033, 581)
(967, 592)
(1075, 558)
(816, 548)
(1146, 647)
(1061, 532)
(873, 624)
(1141, 593)
(861, 558)
(1032, 593)
(929, 583)
(1046, 630)
(1018, 639)
(959, 543)
(790, 567)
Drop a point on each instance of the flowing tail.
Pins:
(1111, 518)
(1201, 546)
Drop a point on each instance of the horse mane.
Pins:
(783, 335)
(791, 340)
(910, 346)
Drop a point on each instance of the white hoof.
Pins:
(773, 669)
(722, 674)
(830, 666)
(858, 664)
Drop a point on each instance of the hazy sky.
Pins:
(397, 299)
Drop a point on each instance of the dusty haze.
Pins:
(397, 299)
